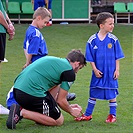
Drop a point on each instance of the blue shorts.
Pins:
(10, 98)
(41, 3)
(103, 94)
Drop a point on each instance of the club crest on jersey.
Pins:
(110, 45)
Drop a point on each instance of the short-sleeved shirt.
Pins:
(34, 43)
(2, 29)
(104, 54)
(43, 74)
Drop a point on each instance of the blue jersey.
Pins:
(34, 43)
(104, 54)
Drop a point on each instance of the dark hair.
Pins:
(101, 17)
(76, 55)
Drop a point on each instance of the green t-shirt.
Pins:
(44, 74)
(2, 29)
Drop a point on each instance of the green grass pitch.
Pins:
(60, 40)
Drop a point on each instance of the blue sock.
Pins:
(113, 106)
(90, 107)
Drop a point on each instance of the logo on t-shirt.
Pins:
(109, 45)
(95, 47)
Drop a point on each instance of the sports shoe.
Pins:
(83, 118)
(14, 116)
(111, 118)
(71, 96)
(3, 110)
(49, 24)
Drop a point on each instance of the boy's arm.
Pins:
(28, 59)
(116, 73)
(97, 72)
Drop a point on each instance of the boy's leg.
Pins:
(113, 106)
(90, 107)
(87, 116)
(112, 113)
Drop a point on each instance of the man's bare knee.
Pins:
(60, 120)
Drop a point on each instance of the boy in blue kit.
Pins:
(103, 51)
(34, 43)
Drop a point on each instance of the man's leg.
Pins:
(43, 110)
(16, 113)
(54, 91)
(41, 118)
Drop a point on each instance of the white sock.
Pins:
(50, 22)
(3, 110)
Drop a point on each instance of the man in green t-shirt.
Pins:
(43, 86)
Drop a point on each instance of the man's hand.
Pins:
(11, 31)
(76, 112)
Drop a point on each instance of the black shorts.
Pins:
(44, 105)
(2, 46)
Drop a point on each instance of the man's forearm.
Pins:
(3, 20)
(8, 19)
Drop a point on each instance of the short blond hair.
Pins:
(41, 11)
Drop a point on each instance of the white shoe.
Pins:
(5, 60)
(71, 96)
(3, 110)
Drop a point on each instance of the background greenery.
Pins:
(60, 40)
